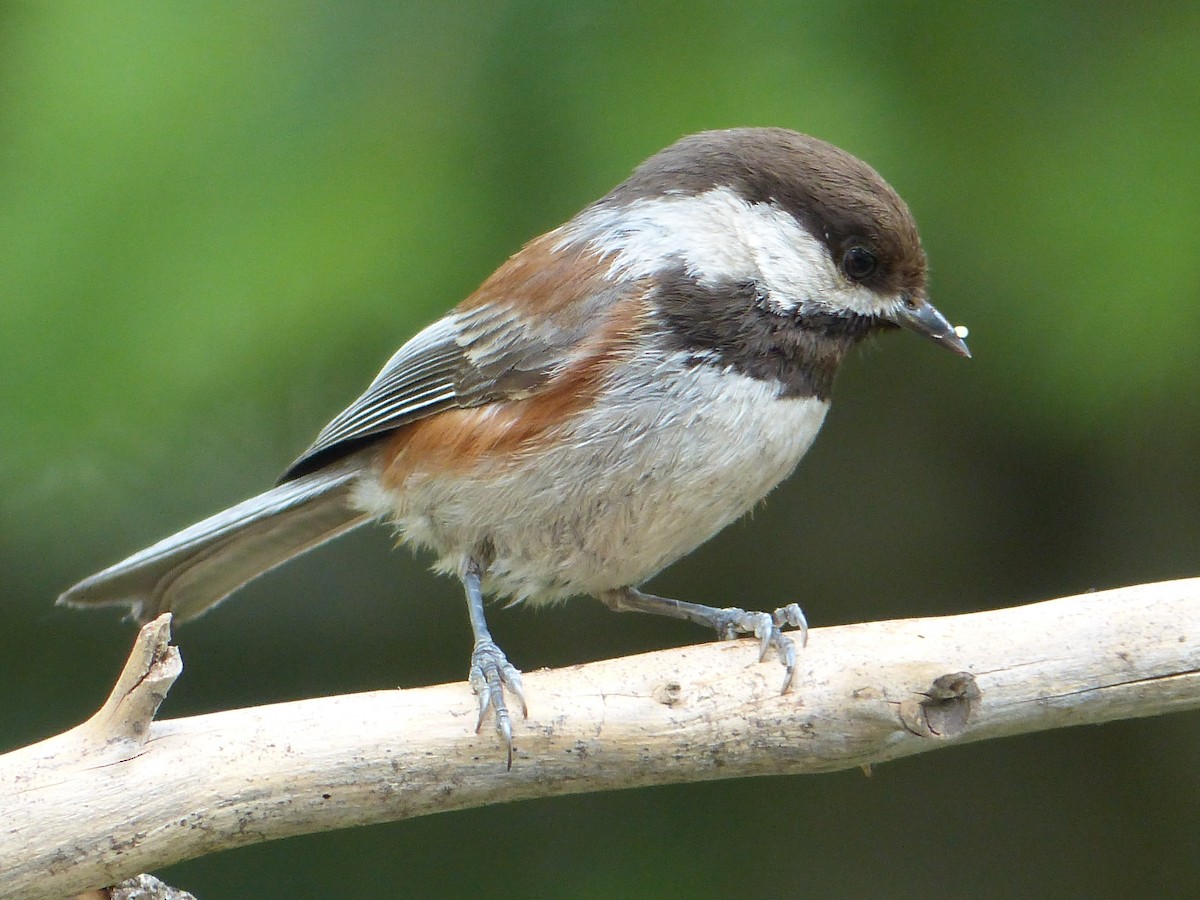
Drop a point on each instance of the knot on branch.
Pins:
(945, 708)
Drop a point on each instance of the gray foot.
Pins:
(729, 623)
(490, 674)
(732, 623)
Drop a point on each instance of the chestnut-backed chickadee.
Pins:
(617, 392)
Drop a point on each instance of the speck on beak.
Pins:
(918, 315)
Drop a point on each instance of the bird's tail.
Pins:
(200, 566)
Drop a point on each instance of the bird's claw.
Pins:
(768, 628)
(491, 673)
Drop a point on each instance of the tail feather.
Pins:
(198, 567)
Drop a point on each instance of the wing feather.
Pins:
(461, 360)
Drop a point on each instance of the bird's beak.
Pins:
(918, 315)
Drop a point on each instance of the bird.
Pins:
(615, 394)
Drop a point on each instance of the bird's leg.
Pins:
(491, 672)
(729, 623)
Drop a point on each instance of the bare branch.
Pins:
(121, 794)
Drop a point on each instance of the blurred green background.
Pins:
(218, 220)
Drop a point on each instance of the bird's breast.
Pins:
(663, 457)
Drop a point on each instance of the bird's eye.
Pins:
(859, 263)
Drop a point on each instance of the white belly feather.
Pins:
(640, 481)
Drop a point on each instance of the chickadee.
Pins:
(614, 395)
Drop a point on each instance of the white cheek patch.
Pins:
(794, 266)
(720, 238)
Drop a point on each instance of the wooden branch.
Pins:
(121, 794)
